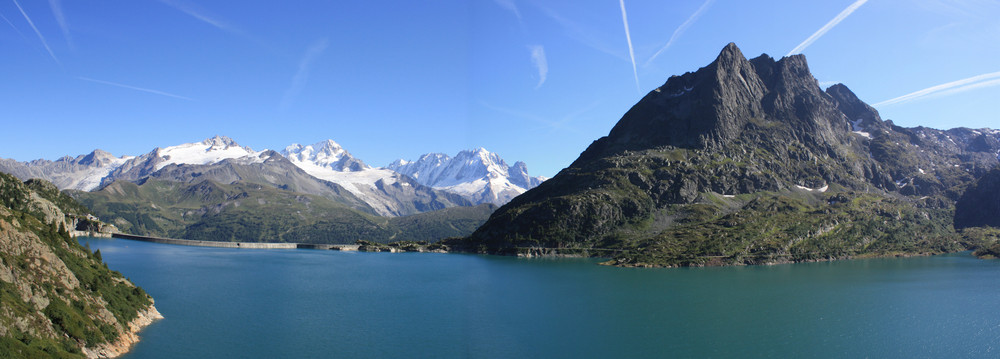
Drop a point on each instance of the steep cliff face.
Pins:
(740, 142)
(56, 297)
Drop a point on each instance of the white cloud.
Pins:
(302, 75)
(542, 65)
(950, 88)
(631, 51)
(680, 29)
(823, 30)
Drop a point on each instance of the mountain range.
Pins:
(219, 190)
(748, 161)
(325, 168)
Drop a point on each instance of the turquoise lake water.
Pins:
(250, 303)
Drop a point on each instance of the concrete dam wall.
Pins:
(253, 245)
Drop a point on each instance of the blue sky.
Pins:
(534, 81)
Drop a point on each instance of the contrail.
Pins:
(134, 88)
(631, 51)
(538, 58)
(819, 33)
(302, 75)
(40, 37)
(680, 30)
(953, 87)
(560, 124)
(61, 19)
(13, 27)
(510, 6)
(187, 9)
(580, 34)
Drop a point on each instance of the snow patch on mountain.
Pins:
(859, 129)
(821, 189)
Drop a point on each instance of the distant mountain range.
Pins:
(219, 190)
(325, 168)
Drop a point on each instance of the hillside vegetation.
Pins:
(57, 298)
(248, 212)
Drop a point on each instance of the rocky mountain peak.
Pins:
(863, 117)
(324, 154)
(711, 107)
(220, 142)
(329, 146)
(97, 158)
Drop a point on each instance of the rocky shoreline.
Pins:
(128, 339)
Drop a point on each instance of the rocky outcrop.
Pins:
(128, 339)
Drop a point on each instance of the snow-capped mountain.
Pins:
(82, 173)
(480, 175)
(388, 192)
(206, 152)
(326, 154)
(209, 151)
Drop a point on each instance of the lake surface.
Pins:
(240, 303)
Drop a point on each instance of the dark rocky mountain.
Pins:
(979, 206)
(748, 161)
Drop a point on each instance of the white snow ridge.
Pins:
(212, 150)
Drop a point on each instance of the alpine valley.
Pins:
(751, 162)
(219, 190)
